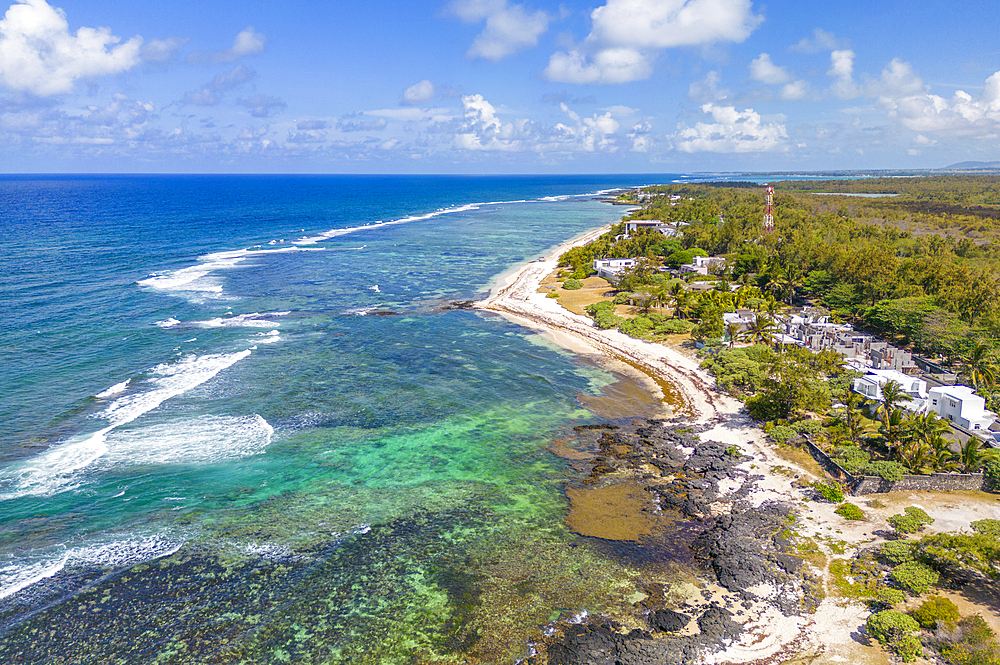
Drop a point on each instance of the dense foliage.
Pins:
(895, 630)
(911, 520)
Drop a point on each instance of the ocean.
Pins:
(245, 424)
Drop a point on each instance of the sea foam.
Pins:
(58, 468)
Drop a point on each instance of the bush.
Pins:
(888, 596)
(936, 612)
(987, 527)
(891, 471)
(897, 551)
(674, 327)
(895, 630)
(850, 512)
(781, 433)
(914, 576)
(604, 314)
(830, 491)
(552, 295)
(911, 520)
(572, 284)
(977, 644)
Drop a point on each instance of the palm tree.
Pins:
(892, 396)
(916, 455)
(760, 331)
(980, 365)
(852, 420)
(895, 431)
(930, 428)
(972, 455)
(732, 331)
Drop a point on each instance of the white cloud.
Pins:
(795, 90)
(641, 136)
(897, 80)
(923, 112)
(39, 55)
(731, 131)
(765, 71)
(626, 35)
(247, 42)
(419, 93)
(162, 50)
(355, 122)
(483, 130)
(609, 65)
(707, 89)
(842, 69)
(821, 40)
(589, 134)
(509, 28)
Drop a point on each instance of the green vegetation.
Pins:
(830, 491)
(572, 284)
(911, 520)
(850, 512)
(973, 643)
(936, 611)
(896, 552)
(896, 630)
(914, 576)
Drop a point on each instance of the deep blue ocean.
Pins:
(242, 423)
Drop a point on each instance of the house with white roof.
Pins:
(960, 405)
(870, 386)
(702, 264)
(609, 268)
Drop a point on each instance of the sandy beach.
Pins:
(834, 633)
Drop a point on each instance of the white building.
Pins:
(701, 264)
(609, 268)
(960, 405)
(870, 386)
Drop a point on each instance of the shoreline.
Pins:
(768, 635)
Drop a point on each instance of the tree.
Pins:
(761, 330)
(895, 431)
(732, 331)
(892, 396)
(851, 420)
(973, 456)
(980, 365)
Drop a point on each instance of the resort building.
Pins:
(609, 268)
(870, 386)
(702, 264)
(960, 405)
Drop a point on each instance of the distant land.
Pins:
(972, 166)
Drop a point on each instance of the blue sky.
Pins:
(495, 86)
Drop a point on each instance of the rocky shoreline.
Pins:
(747, 551)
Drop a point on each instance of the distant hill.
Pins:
(972, 166)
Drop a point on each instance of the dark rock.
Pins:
(668, 620)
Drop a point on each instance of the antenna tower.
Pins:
(769, 209)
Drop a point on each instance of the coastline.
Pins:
(768, 634)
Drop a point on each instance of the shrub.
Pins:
(991, 469)
(552, 295)
(810, 428)
(674, 327)
(987, 527)
(604, 314)
(897, 551)
(572, 284)
(911, 520)
(850, 512)
(936, 612)
(914, 576)
(895, 630)
(622, 298)
(888, 596)
(781, 433)
(891, 471)
(976, 646)
(830, 491)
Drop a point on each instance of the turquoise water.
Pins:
(242, 424)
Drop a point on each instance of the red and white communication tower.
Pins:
(769, 209)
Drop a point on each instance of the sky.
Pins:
(496, 86)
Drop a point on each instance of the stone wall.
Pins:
(827, 463)
(935, 482)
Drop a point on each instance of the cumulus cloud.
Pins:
(820, 41)
(842, 69)
(796, 90)
(210, 93)
(590, 134)
(923, 112)
(483, 130)
(626, 35)
(641, 136)
(731, 131)
(765, 71)
(39, 55)
(247, 42)
(262, 106)
(419, 93)
(509, 28)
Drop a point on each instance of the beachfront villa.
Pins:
(870, 386)
(702, 264)
(960, 405)
(609, 268)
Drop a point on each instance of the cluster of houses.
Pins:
(881, 362)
